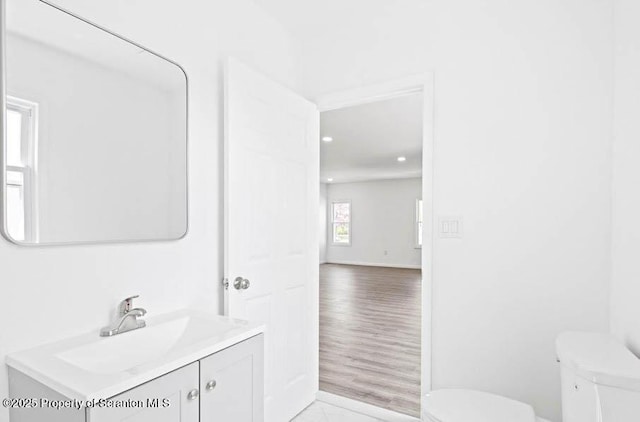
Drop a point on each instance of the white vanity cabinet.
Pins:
(227, 385)
(169, 398)
(232, 384)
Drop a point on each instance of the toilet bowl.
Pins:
(457, 405)
(600, 382)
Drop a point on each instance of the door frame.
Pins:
(423, 83)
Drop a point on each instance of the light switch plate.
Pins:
(450, 227)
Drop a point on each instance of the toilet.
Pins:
(600, 380)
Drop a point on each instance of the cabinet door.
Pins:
(231, 382)
(173, 402)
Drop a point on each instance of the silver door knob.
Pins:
(241, 283)
(211, 385)
(193, 394)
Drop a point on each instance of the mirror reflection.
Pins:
(95, 146)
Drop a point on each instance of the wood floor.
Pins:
(370, 335)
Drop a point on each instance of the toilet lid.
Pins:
(466, 405)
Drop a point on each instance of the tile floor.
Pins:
(324, 412)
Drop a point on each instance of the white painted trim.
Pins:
(364, 408)
(373, 178)
(411, 84)
(428, 232)
(374, 264)
(372, 93)
(416, 211)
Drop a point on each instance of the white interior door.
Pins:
(271, 235)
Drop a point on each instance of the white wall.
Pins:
(625, 291)
(369, 41)
(75, 289)
(383, 215)
(523, 152)
(322, 226)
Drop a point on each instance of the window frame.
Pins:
(333, 223)
(418, 225)
(29, 154)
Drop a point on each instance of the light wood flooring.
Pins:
(370, 335)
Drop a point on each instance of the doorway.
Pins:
(374, 319)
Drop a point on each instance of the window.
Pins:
(418, 224)
(341, 223)
(20, 158)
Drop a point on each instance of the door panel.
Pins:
(271, 235)
(174, 387)
(232, 382)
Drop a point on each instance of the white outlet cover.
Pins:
(450, 227)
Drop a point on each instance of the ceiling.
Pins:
(368, 139)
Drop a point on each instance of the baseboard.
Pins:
(364, 408)
(373, 264)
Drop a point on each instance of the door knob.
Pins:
(211, 385)
(241, 283)
(193, 394)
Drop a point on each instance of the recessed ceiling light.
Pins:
(402, 159)
(327, 139)
(330, 179)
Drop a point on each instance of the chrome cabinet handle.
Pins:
(193, 394)
(241, 283)
(211, 385)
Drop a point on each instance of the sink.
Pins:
(92, 367)
(126, 352)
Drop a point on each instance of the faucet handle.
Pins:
(127, 304)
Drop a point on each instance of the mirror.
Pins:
(95, 145)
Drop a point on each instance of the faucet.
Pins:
(127, 319)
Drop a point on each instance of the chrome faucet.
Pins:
(127, 319)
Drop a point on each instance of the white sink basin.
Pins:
(127, 351)
(93, 367)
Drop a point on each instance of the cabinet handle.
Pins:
(193, 394)
(211, 385)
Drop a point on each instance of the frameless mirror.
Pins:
(95, 133)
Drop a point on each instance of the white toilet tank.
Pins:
(600, 379)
